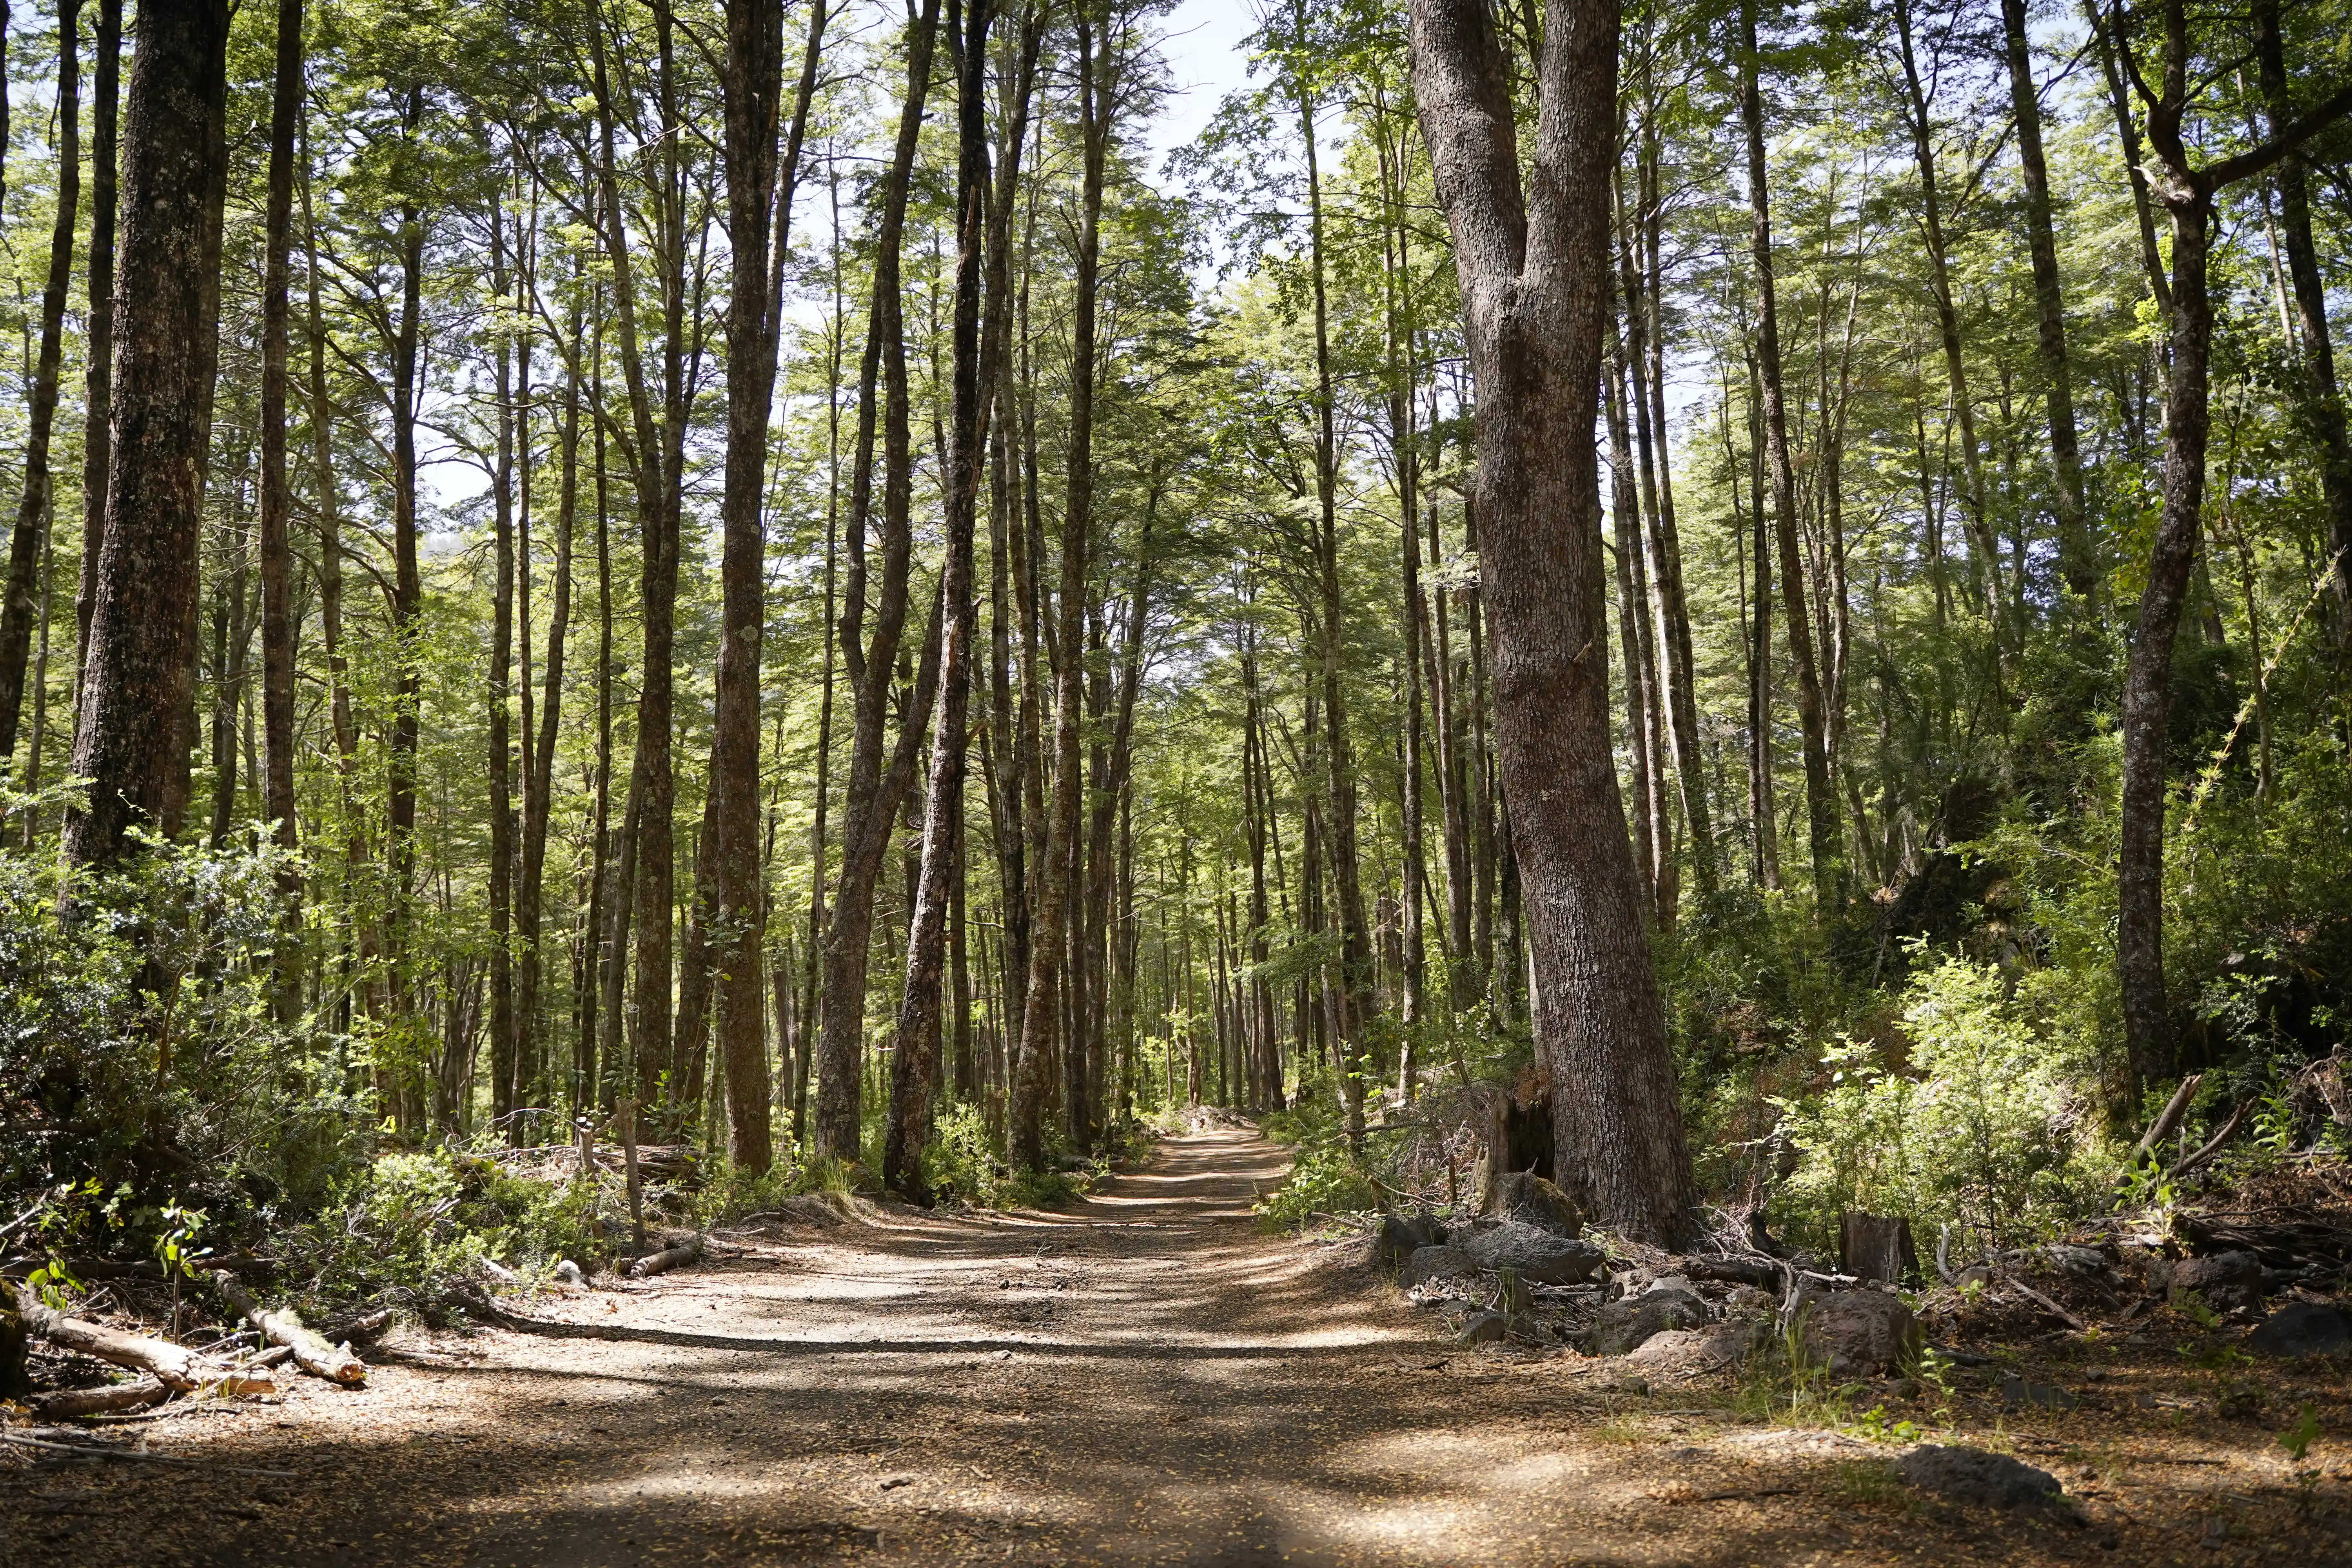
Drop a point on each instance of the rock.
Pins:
(1483, 1327)
(1626, 1325)
(1541, 1256)
(2303, 1327)
(1523, 1197)
(1973, 1476)
(2015, 1390)
(1747, 1302)
(568, 1272)
(1401, 1236)
(2224, 1281)
(2086, 1261)
(1429, 1263)
(1860, 1333)
(1690, 1351)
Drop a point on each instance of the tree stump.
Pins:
(1876, 1247)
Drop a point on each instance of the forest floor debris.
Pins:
(1074, 1386)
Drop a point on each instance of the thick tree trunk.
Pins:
(20, 610)
(129, 734)
(1534, 289)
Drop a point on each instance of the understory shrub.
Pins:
(1987, 1127)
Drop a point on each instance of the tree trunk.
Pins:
(913, 1062)
(1056, 888)
(129, 737)
(1821, 798)
(277, 498)
(20, 611)
(2320, 403)
(1534, 289)
(98, 328)
(874, 794)
(538, 779)
(2077, 554)
(506, 1089)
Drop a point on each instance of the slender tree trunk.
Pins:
(1057, 888)
(2320, 404)
(129, 736)
(1535, 290)
(1821, 798)
(874, 791)
(538, 779)
(914, 1062)
(2077, 556)
(277, 498)
(1986, 554)
(1359, 1003)
(19, 612)
(98, 330)
(504, 1087)
(1676, 665)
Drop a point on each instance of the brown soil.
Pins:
(1143, 1377)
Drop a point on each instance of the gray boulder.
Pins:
(1690, 1351)
(2225, 1282)
(1485, 1327)
(1541, 1256)
(1973, 1476)
(2088, 1262)
(1860, 1333)
(1428, 1263)
(1628, 1324)
(1523, 1197)
(2303, 1327)
(1401, 1236)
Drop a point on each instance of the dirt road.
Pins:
(1143, 1378)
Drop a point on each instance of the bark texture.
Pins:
(1535, 287)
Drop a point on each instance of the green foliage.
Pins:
(1983, 1127)
(412, 1218)
(1325, 1178)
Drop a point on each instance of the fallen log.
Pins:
(1761, 1273)
(362, 1329)
(2174, 1110)
(69, 1403)
(312, 1353)
(178, 1366)
(669, 1257)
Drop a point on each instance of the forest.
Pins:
(1747, 604)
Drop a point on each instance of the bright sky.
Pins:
(1206, 61)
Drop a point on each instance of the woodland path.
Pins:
(1142, 1377)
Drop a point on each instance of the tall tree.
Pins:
(1535, 285)
(2186, 187)
(130, 735)
(759, 217)
(914, 1059)
(1825, 837)
(35, 502)
(876, 787)
(276, 500)
(2077, 558)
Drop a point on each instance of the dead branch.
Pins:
(312, 1353)
(176, 1365)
